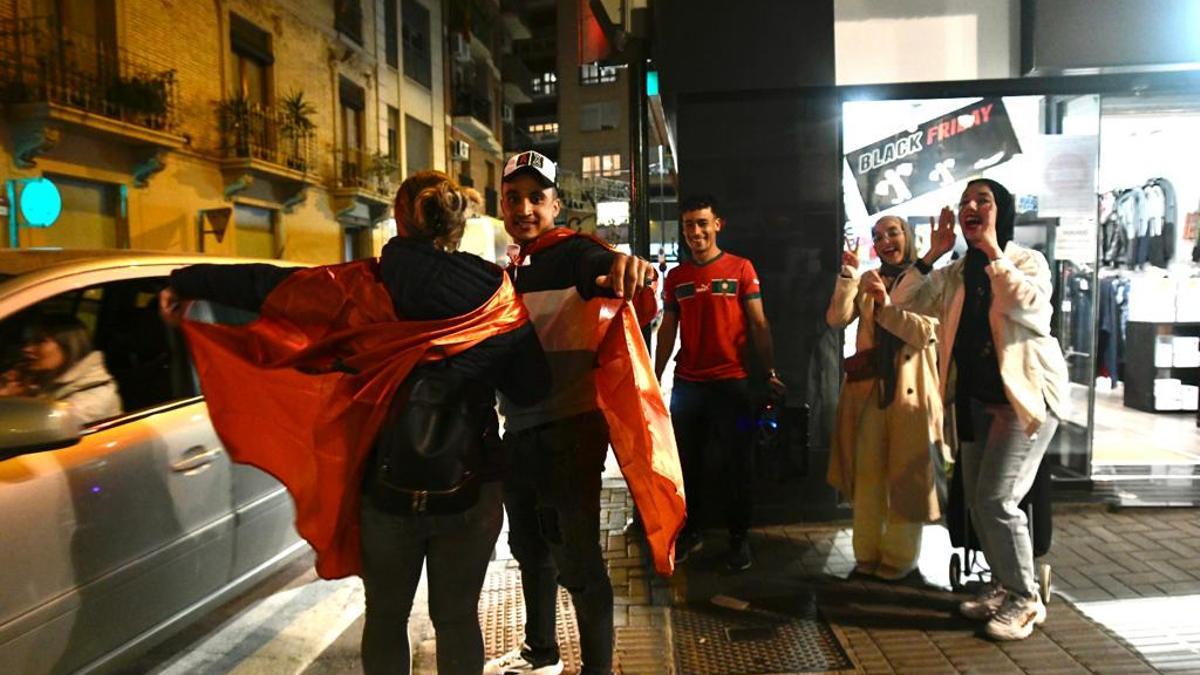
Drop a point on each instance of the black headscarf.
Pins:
(1006, 210)
(886, 344)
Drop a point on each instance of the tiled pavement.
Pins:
(1098, 554)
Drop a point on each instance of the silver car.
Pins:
(117, 532)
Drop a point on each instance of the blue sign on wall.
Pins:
(40, 202)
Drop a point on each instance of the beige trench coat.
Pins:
(911, 479)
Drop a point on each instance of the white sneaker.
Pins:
(986, 604)
(516, 663)
(1016, 618)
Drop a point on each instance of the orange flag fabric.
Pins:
(628, 395)
(302, 391)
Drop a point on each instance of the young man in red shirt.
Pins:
(715, 298)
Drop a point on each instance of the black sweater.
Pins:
(425, 284)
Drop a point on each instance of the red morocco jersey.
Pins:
(708, 299)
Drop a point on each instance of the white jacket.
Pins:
(88, 389)
(1031, 363)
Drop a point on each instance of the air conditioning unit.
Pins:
(460, 151)
(506, 113)
(460, 47)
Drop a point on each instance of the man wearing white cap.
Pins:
(558, 446)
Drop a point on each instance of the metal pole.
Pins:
(639, 198)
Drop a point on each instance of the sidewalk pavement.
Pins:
(795, 611)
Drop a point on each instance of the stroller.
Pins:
(1036, 506)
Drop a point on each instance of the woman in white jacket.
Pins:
(1005, 373)
(889, 417)
(58, 363)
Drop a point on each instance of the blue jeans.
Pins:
(552, 495)
(457, 547)
(721, 409)
(998, 469)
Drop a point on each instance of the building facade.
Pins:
(271, 129)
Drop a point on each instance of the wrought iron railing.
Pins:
(257, 131)
(360, 169)
(40, 61)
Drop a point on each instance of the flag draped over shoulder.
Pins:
(302, 391)
(628, 395)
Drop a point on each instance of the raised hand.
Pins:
(171, 307)
(941, 240)
(628, 275)
(872, 284)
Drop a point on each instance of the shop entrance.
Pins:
(1105, 191)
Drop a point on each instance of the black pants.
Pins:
(552, 496)
(720, 408)
(457, 548)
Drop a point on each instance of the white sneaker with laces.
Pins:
(984, 605)
(1016, 618)
(516, 663)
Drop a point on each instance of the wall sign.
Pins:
(40, 202)
(957, 145)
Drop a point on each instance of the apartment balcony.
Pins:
(516, 139)
(512, 13)
(262, 142)
(473, 116)
(52, 80)
(364, 185)
(518, 81)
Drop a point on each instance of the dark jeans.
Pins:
(720, 408)
(457, 548)
(552, 496)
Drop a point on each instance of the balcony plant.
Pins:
(138, 99)
(295, 121)
(235, 114)
(383, 169)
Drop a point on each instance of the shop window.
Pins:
(601, 165)
(546, 84)
(391, 34)
(418, 139)
(252, 59)
(601, 116)
(255, 229)
(594, 73)
(417, 62)
(348, 19)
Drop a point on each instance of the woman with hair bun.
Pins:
(1007, 379)
(448, 333)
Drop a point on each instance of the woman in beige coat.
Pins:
(889, 417)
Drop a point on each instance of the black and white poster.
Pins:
(946, 149)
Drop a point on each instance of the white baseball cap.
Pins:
(534, 163)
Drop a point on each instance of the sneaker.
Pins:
(686, 544)
(738, 558)
(519, 661)
(1016, 618)
(983, 606)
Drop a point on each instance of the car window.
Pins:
(117, 357)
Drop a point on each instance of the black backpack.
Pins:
(431, 449)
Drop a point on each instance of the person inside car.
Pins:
(59, 364)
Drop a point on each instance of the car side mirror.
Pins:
(35, 425)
